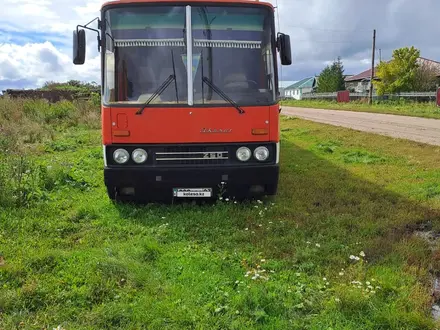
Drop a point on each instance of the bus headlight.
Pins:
(244, 154)
(121, 156)
(261, 154)
(139, 156)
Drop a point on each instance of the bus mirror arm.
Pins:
(79, 41)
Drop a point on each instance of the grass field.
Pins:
(404, 108)
(334, 250)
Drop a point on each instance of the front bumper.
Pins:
(134, 183)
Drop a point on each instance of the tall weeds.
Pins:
(25, 124)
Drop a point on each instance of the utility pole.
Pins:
(370, 100)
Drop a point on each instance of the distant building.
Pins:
(283, 84)
(306, 85)
(359, 83)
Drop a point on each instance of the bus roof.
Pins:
(257, 2)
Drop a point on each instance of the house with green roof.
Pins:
(306, 85)
(282, 84)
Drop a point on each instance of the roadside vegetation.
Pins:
(72, 86)
(407, 71)
(334, 250)
(394, 107)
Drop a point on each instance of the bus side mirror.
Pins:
(283, 45)
(79, 46)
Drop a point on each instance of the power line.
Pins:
(329, 30)
(330, 42)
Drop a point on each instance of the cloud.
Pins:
(36, 36)
(36, 63)
(321, 30)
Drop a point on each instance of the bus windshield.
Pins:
(232, 47)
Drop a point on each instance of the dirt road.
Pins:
(411, 128)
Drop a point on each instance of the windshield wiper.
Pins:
(159, 91)
(222, 94)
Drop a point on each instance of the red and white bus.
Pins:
(190, 100)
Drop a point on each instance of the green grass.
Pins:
(403, 107)
(72, 258)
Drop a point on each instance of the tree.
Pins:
(398, 75)
(331, 78)
(425, 79)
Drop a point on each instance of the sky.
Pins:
(36, 36)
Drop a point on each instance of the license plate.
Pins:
(192, 192)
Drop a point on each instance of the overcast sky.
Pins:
(36, 36)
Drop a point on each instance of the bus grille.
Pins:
(192, 156)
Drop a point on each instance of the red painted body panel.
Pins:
(106, 122)
(184, 125)
(122, 2)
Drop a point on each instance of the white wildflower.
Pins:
(318, 245)
(263, 260)
(337, 299)
(324, 279)
(246, 229)
(367, 283)
(341, 273)
(362, 254)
